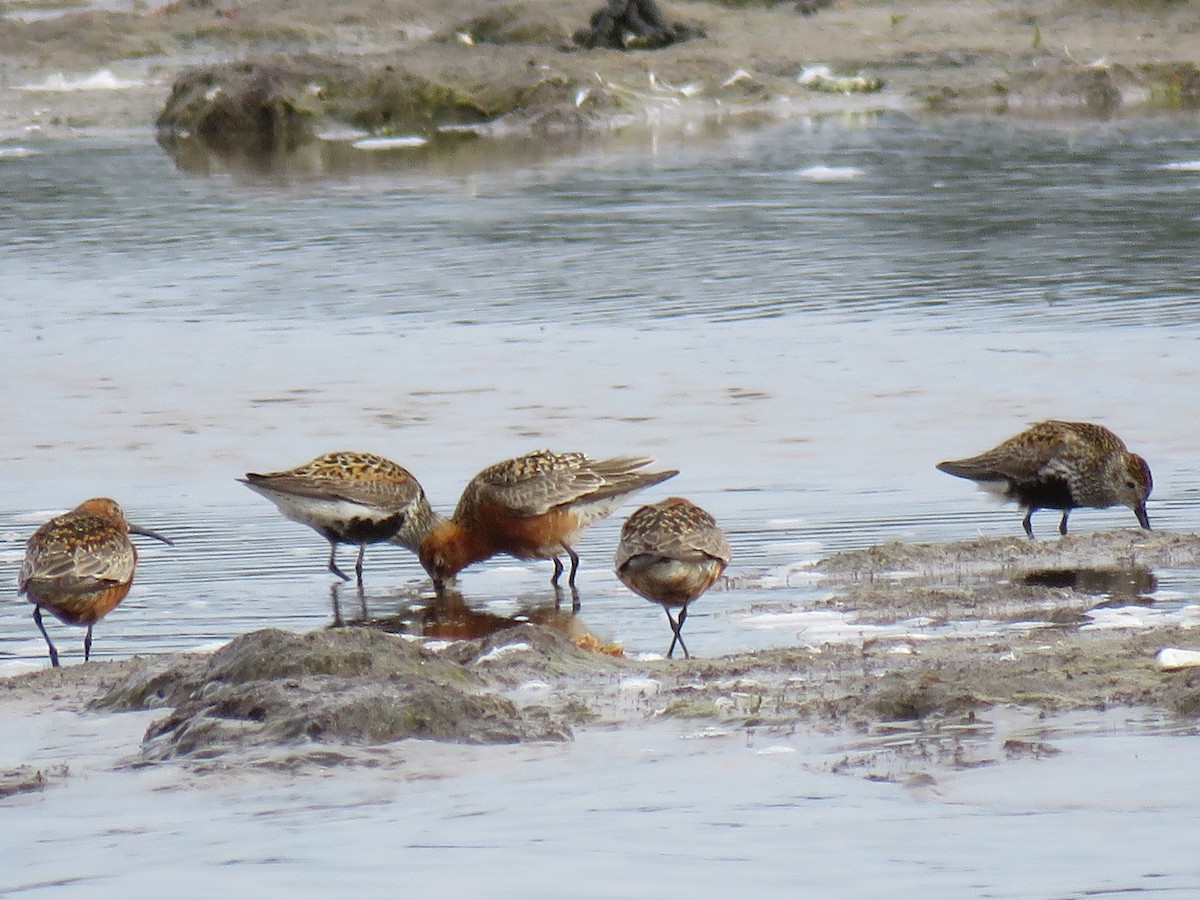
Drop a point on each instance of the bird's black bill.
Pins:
(1143, 519)
(146, 532)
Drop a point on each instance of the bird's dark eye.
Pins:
(1130, 484)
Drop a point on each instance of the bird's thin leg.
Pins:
(575, 604)
(333, 566)
(558, 570)
(362, 548)
(337, 608)
(37, 617)
(1028, 523)
(675, 627)
(362, 602)
(574, 564)
(1062, 526)
(87, 644)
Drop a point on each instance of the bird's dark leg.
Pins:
(1062, 526)
(337, 608)
(37, 617)
(558, 570)
(333, 566)
(558, 598)
(362, 548)
(675, 627)
(1028, 523)
(87, 644)
(362, 603)
(574, 564)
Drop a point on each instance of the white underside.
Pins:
(997, 490)
(322, 513)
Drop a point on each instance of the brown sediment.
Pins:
(329, 696)
(404, 65)
(27, 779)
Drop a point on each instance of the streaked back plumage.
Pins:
(1061, 465)
(79, 566)
(534, 506)
(670, 553)
(350, 497)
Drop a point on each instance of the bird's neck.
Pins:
(449, 547)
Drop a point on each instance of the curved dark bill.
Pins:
(1143, 519)
(146, 532)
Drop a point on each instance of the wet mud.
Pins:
(1020, 638)
(279, 72)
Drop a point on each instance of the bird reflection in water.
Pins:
(447, 616)
(335, 601)
(1121, 586)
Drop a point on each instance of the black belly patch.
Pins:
(1042, 493)
(366, 531)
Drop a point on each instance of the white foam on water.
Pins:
(390, 143)
(641, 687)
(1171, 658)
(814, 73)
(1192, 165)
(343, 134)
(1108, 618)
(705, 734)
(17, 152)
(506, 650)
(101, 80)
(830, 174)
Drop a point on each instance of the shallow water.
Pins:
(803, 347)
(802, 350)
(626, 813)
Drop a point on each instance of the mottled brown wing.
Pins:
(532, 484)
(1019, 458)
(672, 530)
(1096, 437)
(391, 495)
(71, 566)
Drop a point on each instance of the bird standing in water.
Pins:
(79, 566)
(1061, 465)
(535, 506)
(350, 498)
(670, 553)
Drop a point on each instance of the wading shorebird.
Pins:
(350, 498)
(533, 507)
(670, 553)
(1061, 465)
(79, 566)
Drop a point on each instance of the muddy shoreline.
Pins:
(388, 68)
(1029, 636)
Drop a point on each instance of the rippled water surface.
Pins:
(802, 319)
